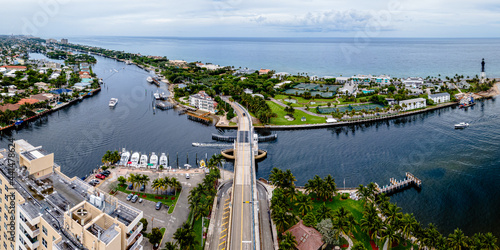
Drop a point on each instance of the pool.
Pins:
(368, 91)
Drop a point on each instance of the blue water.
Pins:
(398, 57)
(459, 168)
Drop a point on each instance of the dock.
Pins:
(395, 186)
(199, 118)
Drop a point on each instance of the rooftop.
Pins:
(34, 154)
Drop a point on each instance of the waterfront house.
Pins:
(62, 91)
(27, 101)
(440, 97)
(307, 238)
(9, 106)
(463, 84)
(264, 71)
(413, 104)
(413, 82)
(382, 79)
(42, 85)
(45, 97)
(203, 102)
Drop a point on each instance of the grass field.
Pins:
(280, 119)
(166, 199)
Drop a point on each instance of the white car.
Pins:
(187, 176)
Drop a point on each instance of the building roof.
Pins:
(60, 91)
(27, 101)
(13, 67)
(43, 96)
(307, 238)
(264, 71)
(412, 100)
(439, 95)
(9, 106)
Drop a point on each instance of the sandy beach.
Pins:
(495, 91)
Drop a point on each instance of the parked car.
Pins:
(135, 198)
(140, 200)
(104, 173)
(94, 182)
(129, 196)
(187, 176)
(158, 205)
(131, 186)
(100, 176)
(143, 187)
(107, 172)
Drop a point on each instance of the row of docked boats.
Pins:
(139, 160)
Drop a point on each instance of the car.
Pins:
(94, 182)
(143, 187)
(140, 200)
(129, 196)
(104, 173)
(135, 198)
(131, 186)
(107, 172)
(158, 205)
(244, 114)
(100, 176)
(187, 176)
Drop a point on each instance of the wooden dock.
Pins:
(409, 181)
(200, 118)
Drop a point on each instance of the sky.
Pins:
(255, 18)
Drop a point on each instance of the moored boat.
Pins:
(461, 125)
(124, 157)
(149, 79)
(135, 159)
(163, 160)
(153, 160)
(144, 160)
(157, 95)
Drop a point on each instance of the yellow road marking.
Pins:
(225, 218)
(222, 236)
(225, 223)
(222, 243)
(225, 212)
(224, 230)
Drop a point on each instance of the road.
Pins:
(266, 238)
(241, 235)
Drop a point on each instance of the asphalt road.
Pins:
(266, 238)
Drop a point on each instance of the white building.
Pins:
(382, 79)
(413, 82)
(341, 79)
(348, 89)
(440, 97)
(413, 104)
(203, 101)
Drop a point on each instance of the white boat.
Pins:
(149, 79)
(163, 96)
(157, 95)
(135, 159)
(187, 166)
(113, 102)
(461, 125)
(153, 160)
(163, 160)
(124, 158)
(144, 161)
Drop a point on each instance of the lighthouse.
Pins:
(483, 74)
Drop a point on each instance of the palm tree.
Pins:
(280, 219)
(330, 186)
(304, 203)
(289, 179)
(363, 193)
(489, 241)
(371, 225)
(176, 184)
(132, 178)
(288, 242)
(343, 220)
(313, 185)
(170, 246)
(185, 237)
(457, 239)
(276, 177)
(393, 213)
(324, 212)
(390, 235)
(157, 184)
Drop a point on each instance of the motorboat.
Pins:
(153, 160)
(187, 166)
(113, 102)
(134, 160)
(149, 79)
(461, 125)
(124, 158)
(163, 160)
(144, 160)
(163, 96)
(157, 95)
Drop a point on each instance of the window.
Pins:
(44, 230)
(6, 188)
(5, 216)
(44, 243)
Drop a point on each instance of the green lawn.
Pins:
(166, 199)
(321, 101)
(280, 119)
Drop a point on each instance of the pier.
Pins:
(199, 118)
(409, 181)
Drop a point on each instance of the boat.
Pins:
(187, 166)
(80, 98)
(461, 125)
(163, 96)
(163, 160)
(124, 158)
(113, 102)
(144, 161)
(157, 95)
(202, 164)
(153, 160)
(134, 160)
(149, 79)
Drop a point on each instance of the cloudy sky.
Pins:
(255, 18)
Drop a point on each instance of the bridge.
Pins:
(242, 211)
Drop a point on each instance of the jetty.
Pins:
(395, 186)
(199, 118)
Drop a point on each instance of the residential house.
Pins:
(203, 101)
(391, 101)
(413, 82)
(348, 89)
(16, 68)
(463, 84)
(307, 238)
(27, 101)
(9, 106)
(382, 79)
(45, 97)
(62, 91)
(264, 71)
(341, 79)
(440, 97)
(42, 85)
(413, 104)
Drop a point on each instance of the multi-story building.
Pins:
(45, 209)
(440, 97)
(64, 41)
(203, 102)
(413, 104)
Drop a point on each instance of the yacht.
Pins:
(153, 160)
(124, 158)
(135, 159)
(461, 125)
(149, 79)
(144, 160)
(157, 95)
(113, 102)
(163, 160)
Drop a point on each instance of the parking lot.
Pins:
(158, 218)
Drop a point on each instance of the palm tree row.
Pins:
(166, 183)
(325, 188)
(202, 196)
(138, 179)
(282, 179)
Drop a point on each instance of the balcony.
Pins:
(31, 230)
(30, 242)
(133, 233)
(137, 244)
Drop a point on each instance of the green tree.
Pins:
(170, 246)
(309, 220)
(122, 180)
(288, 242)
(144, 222)
(358, 246)
(155, 236)
(457, 239)
(390, 235)
(186, 237)
(304, 204)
